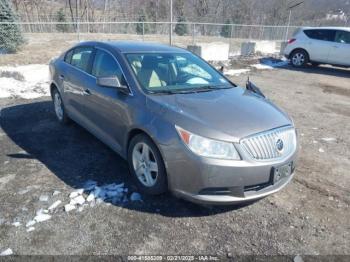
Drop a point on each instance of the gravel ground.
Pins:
(310, 216)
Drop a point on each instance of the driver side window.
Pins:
(105, 66)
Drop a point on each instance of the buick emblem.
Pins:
(279, 145)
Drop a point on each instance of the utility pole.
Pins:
(78, 19)
(171, 23)
(290, 16)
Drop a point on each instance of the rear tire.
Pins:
(299, 58)
(146, 165)
(59, 108)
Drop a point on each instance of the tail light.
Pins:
(290, 41)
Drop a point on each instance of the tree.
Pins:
(61, 18)
(181, 28)
(10, 34)
(226, 29)
(142, 28)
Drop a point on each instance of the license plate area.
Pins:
(282, 172)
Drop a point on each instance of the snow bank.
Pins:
(7, 252)
(236, 72)
(27, 81)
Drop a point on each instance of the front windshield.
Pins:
(159, 72)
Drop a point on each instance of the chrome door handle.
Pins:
(61, 77)
(86, 92)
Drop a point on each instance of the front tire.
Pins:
(60, 111)
(299, 58)
(146, 165)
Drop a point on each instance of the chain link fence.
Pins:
(195, 32)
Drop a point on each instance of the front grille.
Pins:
(267, 145)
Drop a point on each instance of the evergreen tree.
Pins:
(10, 34)
(61, 18)
(226, 29)
(180, 28)
(140, 29)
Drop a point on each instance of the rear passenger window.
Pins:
(68, 57)
(81, 57)
(321, 34)
(105, 66)
(342, 37)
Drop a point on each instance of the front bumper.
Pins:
(221, 182)
(231, 199)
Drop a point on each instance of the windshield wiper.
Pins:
(200, 89)
(208, 88)
(166, 91)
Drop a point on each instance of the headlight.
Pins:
(208, 147)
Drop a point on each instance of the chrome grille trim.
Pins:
(263, 146)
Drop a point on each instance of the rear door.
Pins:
(106, 107)
(319, 44)
(77, 80)
(340, 50)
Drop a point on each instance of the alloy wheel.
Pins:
(145, 164)
(298, 59)
(58, 106)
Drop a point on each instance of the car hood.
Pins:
(226, 114)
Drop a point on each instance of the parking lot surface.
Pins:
(310, 216)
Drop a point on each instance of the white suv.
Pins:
(319, 45)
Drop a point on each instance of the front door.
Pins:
(107, 108)
(340, 50)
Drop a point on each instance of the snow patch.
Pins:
(31, 223)
(79, 200)
(54, 205)
(235, 72)
(269, 64)
(16, 224)
(329, 139)
(26, 81)
(7, 252)
(56, 192)
(69, 207)
(30, 229)
(42, 216)
(44, 198)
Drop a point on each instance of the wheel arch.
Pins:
(138, 131)
(53, 86)
(299, 49)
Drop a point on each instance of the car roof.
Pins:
(329, 28)
(135, 46)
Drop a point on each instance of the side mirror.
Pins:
(112, 81)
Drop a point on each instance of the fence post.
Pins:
(78, 29)
(193, 33)
(171, 24)
(143, 31)
(262, 32)
(231, 35)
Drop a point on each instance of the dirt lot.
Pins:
(310, 216)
